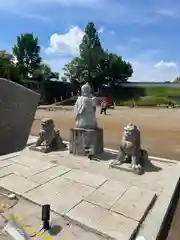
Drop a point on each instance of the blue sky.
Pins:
(146, 33)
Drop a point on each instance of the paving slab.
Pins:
(5, 163)
(107, 194)
(69, 197)
(48, 190)
(161, 179)
(32, 162)
(134, 203)
(153, 223)
(40, 194)
(105, 222)
(49, 174)
(22, 209)
(19, 169)
(17, 184)
(86, 178)
(9, 156)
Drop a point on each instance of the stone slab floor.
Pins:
(102, 200)
(30, 214)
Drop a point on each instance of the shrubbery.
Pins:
(147, 102)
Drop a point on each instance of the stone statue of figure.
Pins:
(85, 109)
(130, 149)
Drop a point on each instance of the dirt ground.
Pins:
(159, 127)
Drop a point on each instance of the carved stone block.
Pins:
(17, 110)
(82, 141)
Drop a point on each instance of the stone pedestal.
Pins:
(82, 141)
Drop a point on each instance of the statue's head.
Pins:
(47, 123)
(131, 132)
(86, 90)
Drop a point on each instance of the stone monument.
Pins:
(49, 139)
(86, 136)
(17, 110)
(130, 150)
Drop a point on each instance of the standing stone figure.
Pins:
(84, 109)
(130, 149)
(49, 136)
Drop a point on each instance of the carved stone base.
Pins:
(127, 167)
(86, 141)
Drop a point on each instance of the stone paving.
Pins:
(107, 201)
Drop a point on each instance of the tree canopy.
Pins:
(177, 80)
(25, 63)
(95, 65)
(8, 68)
(27, 53)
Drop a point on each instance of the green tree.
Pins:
(73, 71)
(43, 72)
(27, 53)
(95, 65)
(91, 52)
(8, 68)
(55, 75)
(116, 70)
(177, 80)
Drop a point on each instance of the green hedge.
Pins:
(162, 92)
(147, 102)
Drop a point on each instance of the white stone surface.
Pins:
(5, 163)
(161, 179)
(107, 194)
(17, 184)
(86, 178)
(105, 222)
(42, 193)
(9, 156)
(32, 162)
(20, 170)
(134, 203)
(152, 224)
(31, 140)
(49, 174)
(70, 196)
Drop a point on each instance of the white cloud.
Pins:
(165, 12)
(69, 3)
(67, 43)
(169, 12)
(37, 17)
(163, 64)
(24, 9)
(101, 30)
(146, 69)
